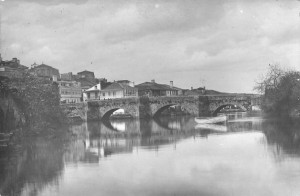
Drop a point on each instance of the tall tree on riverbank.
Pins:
(37, 98)
(281, 89)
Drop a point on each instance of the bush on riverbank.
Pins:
(37, 98)
(281, 90)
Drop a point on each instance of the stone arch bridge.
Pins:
(143, 107)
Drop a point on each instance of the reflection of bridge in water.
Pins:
(101, 139)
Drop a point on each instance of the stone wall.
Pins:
(189, 104)
(216, 103)
(75, 110)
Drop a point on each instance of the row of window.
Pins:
(71, 92)
(70, 101)
(69, 84)
(109, 94)
(103, 94)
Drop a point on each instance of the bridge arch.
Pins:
(161, 109)
(108, 113)
(218, 108)
(108, 125)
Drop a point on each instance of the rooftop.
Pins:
(155, 86)
(85, 71)
(44, 65)
(86, 82)
(117, 86)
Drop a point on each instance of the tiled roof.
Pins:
(85, 71)
(123, 81)
(44, 65)
(155, 86)
(117, 86)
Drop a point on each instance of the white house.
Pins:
(118, 90)
(92, 93)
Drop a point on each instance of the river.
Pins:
(250, 155)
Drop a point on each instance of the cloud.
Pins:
(50, 2)
(141, 40)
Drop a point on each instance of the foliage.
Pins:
(270, 80)
(281, 90)
(37, 98)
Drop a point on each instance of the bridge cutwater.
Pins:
(145, 107)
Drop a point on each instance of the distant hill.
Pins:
(213, 92)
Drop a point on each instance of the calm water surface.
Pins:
(167, 156)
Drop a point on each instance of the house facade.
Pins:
(66, 76)
(45, 71)
(113, 91)
(153, 89)
(92, 93)
(70, 91)
(86, 74)
(12, 68)
(118, 90)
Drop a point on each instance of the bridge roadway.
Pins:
(145, 107)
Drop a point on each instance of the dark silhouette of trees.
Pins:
(38, 99)
(281, 89)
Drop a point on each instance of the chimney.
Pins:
(153, 81)
(171, 84)
(131, 84)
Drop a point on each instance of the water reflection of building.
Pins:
(103, 139)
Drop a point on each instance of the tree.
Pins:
(269, 80)
(281, 89)
(37, 98)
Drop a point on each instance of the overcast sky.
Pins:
(224, 45)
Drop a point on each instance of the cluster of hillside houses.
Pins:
(84, 86)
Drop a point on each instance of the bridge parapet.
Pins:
(228, 97)
(118, 101)
(173, 99)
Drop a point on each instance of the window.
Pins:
(108, 93)
(114, 94)
(103, 94)
(88, 95)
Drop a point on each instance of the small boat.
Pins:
(213, 127)
(211, 120)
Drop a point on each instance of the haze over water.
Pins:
(167, 156)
